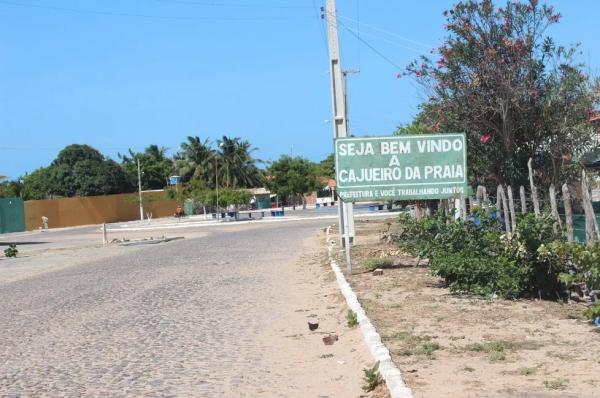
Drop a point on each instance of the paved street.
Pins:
(184, 318)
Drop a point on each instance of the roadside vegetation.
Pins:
(482, 259)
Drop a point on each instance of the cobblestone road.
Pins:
(176, 319)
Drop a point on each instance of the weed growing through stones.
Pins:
(351, 319)
(556, 384)
(11, 251)
(372, 378)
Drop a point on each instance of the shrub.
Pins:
(477, 257)
(11, 250)
(593, 312)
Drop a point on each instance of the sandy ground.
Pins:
(449, 345)
(313, 296)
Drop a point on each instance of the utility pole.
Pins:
(340, 122)
(217, 186)
(140, 191)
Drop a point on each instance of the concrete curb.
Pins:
(391, 374)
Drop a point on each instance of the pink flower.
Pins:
(555, 18)
(533, 93)
(485, 138)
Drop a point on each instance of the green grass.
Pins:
(374, 263)
(326, 356)
(351, 319)
(557, 384)
(496, 349)
(526, 371)
(427, 348)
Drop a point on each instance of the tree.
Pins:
(515, 93)
(292, 176)
(237, 167)
(327, 166)
(36, 184)
(78, 170)
(154, 164)
(10, 189)
(195, 160)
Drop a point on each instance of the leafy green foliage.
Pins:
(236, 166)
(11, 250)
(10, 189)
(499, 77)
(292, 176)
(155, 167)
(593, 312)
(374, 263)
(480, 259)
(327, 167)
(36, 185)
(372, 378)
(351, 319)
(78, 170)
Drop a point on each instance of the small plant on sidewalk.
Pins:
(11, 251)
(372, 378)
(351, 319)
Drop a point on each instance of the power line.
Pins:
(134, 15)
(376, 51)
(319, 16)
(217, 4)
(421, 44)
(358, 28)
(385, 40)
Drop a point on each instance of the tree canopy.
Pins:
(78, 170)
(503, 81)
(155, 166)
(292, 176)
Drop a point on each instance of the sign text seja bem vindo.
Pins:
(428, 166)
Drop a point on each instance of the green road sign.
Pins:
(428, 166)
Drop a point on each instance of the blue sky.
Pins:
(73, 71)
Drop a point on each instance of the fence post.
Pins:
(463, 208)
(104, 238)
(502, 196)
(511, 205)
(534, 195)
(568, 212)
(523, 200)
(554, 207)
(591, 227)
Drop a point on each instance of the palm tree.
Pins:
(237, 167)
(193, 160)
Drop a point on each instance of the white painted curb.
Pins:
(391, 374)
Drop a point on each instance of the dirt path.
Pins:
(448, 345)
